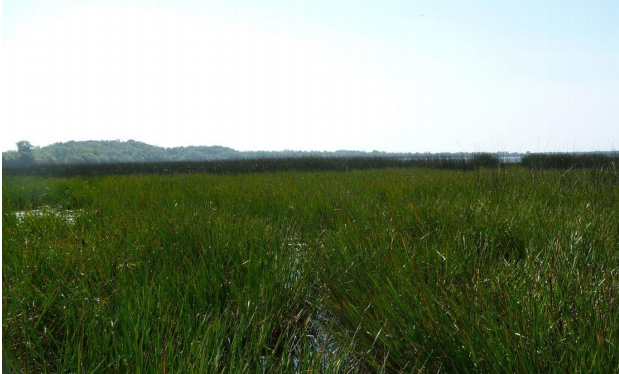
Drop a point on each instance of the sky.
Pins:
(396, 76)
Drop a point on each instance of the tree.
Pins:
(24, 150)
(10, 158)
(73, 159)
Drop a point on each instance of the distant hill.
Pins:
(115, 151)
(89, 152)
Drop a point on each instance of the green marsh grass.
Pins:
(392, 270)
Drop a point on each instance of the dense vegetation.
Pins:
(89, 152)
(252, 166)
(105, 152)
(571, 160)
(320, 163)
(393, 270)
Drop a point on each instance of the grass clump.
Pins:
(393, 270)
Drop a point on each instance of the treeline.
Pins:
(105, 152)
(132, 157)
(110, 152)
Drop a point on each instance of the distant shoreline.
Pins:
(112, 152)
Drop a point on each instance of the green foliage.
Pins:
(24, 147)
(105, 152)
(394, 270)
(24, 155)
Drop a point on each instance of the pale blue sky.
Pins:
(410, 76)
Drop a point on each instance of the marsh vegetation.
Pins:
(474, 269)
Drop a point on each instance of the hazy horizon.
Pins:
(401, 76)
(14, 148)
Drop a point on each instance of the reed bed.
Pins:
(251, 166)
(392, 270)
(571, 160)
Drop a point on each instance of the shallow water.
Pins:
(66, 214)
